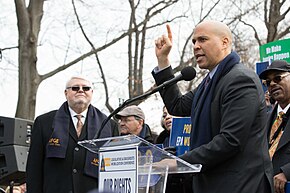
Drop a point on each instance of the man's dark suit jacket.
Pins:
(281, 157)
(237, 158)
(56, 175)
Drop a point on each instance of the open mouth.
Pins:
(275, 91)
(198, 56)
(168, 124)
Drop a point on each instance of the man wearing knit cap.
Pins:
(276, 78)
(132, 121)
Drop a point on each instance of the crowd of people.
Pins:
(241, 142)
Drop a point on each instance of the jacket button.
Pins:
(77, 149)
(75, 171)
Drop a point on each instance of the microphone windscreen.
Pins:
(188, 73)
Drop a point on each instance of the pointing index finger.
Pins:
(169, 32)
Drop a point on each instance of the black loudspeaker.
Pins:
(15, 131)
(15, 136)
(13, 164)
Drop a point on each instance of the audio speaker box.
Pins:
(13, 164)
(15, 131)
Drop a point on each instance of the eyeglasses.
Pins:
(276, 79)
(126, 120)
(77, 88)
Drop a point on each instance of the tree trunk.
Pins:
(29, 19)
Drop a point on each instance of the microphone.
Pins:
(188, 73)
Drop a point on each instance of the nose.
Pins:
(167, 117)
(121, 123)
(196, 46)
(195, 50)
(81, 89)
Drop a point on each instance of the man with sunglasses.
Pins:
(56, 163)
(276, 78)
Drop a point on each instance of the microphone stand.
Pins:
(125, 103)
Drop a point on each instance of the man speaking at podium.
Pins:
(228, 113)
(56, 163)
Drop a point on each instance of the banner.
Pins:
(260, 67)
(180, 134)
(278, 50)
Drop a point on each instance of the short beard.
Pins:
(79, 106)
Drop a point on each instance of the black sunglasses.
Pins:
(77, 88)
(276, 79)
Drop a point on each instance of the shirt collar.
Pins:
(279, 109)
(73, 113)
(212, 72)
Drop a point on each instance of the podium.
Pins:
(132, 164)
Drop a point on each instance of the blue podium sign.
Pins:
(180, 134)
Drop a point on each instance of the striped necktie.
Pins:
(274, 136)
(207, 80)
(79, 124)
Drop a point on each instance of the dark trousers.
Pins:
(181, 183)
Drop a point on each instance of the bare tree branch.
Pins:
(254, 29)
(283, 33)
(9, 48)
(97, 58)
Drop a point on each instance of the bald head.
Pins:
(212, 43)
(218, 28)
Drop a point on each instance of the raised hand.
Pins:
(162, 48)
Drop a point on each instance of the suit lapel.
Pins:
(285, 137)
(83, 133)
(72, 131)
(270, 121)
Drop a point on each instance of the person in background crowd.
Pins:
(56, 163)
(132, 121)
(166, 123)
(277, 79)
(176, 182)
(228, 113)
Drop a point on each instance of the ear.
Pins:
(65, 93)
(141, 121)
(225, 42)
